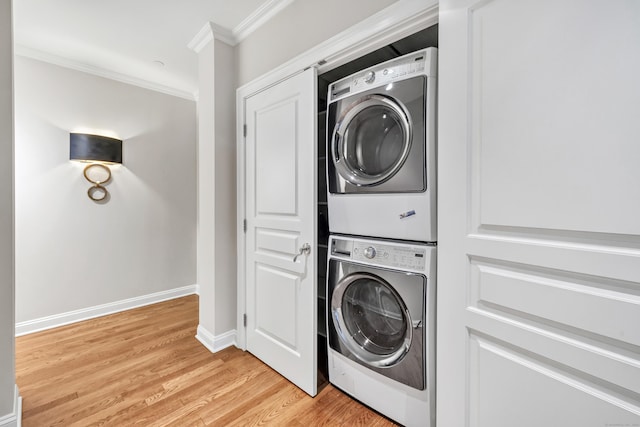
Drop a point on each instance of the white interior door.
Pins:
(280, 213)
(539, 213)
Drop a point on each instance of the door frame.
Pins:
(399, 20)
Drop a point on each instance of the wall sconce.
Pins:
(99, 151)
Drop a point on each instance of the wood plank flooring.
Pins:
(144, 367)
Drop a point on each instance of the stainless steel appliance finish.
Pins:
(372, 148)
(381, 307)
(381, 154)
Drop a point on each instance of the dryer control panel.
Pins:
(386, 75)
(418, 63)
(401, 256)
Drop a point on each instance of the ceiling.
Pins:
(144, 42)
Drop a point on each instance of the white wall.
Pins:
(7, 326)
(225, 189)
(297, 28)
(216, 195)
(206, 193)
(73, 253)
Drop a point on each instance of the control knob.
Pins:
(370, 77)
(370, 252)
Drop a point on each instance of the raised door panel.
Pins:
(276, 163)
(553, 116)
(539, 249)
(502, 374)
(559, 297)
(279, 289)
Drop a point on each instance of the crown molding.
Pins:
(222, 33)
(261, 15)
(208, 32)
(200, 40)
(50, 58)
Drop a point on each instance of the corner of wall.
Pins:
(216, 191)
(14, 419)
(215, 343)
(7, 218)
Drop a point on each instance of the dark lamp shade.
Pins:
(95, 148)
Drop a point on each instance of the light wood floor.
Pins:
(144, 367)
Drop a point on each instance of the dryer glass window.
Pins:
(375, 317)
(372, 140)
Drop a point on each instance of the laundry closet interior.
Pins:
(421, 40)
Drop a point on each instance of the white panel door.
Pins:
(539, 213)
(280, 212)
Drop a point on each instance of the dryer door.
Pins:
(371, 319)
(371, 140)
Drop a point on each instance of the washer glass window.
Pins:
(373, 318)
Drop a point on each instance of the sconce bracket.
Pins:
(98, 165)
(91, 192)
(97, 185)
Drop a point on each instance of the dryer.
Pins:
(381, 150)
(381, 325)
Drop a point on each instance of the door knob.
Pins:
(305, 249)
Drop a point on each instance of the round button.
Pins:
(370, 252)
(370, 77)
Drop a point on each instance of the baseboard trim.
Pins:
(13, 419)
(215, 343)
(49, 322)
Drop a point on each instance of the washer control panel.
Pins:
(403, 256)
(406, 257)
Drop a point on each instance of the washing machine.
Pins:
(381, 325)
(381, 150)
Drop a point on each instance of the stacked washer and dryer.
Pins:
(381, 195)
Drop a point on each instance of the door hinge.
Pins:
(244, 225)
(244, 130)
(244, 320)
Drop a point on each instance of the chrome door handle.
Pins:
(335, 145)
(305, 249)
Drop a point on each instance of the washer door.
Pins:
(371, 319)
(371, 140)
